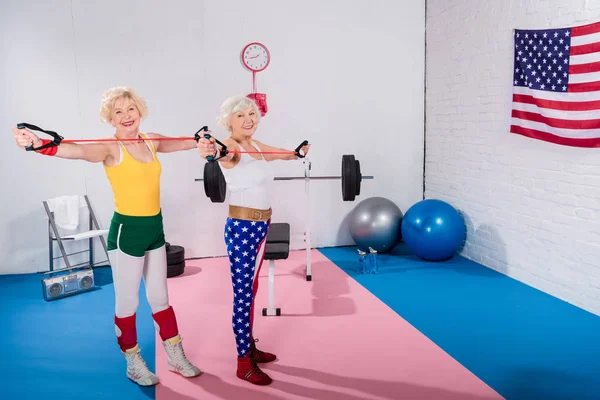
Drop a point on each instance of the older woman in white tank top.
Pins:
(249, 177)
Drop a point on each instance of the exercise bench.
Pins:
(277, 248)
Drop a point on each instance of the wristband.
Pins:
(48, 151)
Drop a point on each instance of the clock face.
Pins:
(256, 57)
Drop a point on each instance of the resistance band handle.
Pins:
(196, 136)
(56, 138)
(222, 151)
(300, 146)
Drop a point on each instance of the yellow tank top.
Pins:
(136, 185)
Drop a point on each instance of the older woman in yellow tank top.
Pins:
(136, 241)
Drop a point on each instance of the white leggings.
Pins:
(127, 272)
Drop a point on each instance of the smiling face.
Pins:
(125, 116)
(244, 123)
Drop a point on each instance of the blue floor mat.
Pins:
(67, 348)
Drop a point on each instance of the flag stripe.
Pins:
(584, 87)
(584, 68)
(556, 104)
(585, 49)
(582, 78)
(584, 59)
(567, 133)
(585, 39)
(556, 122)
(585, 29)
(532, 107)
(548, 137)
(564, 96)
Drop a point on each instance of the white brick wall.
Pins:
(532, 208)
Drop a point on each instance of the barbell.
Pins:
(215, 186)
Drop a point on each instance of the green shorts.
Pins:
(135, 235)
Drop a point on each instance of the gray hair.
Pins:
(231, 106)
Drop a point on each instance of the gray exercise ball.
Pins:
(376, 222)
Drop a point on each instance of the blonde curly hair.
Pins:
(117, 93)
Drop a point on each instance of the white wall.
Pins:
(346, 76)
(532, 208)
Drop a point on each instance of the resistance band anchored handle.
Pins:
(222, 151)
(56, 138)
(300, 146)
(196, 136)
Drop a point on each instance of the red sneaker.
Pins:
(260, 356)
(249, 371)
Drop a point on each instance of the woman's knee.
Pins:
(126, 306)
(158, 300)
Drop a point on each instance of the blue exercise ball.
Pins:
(375, 222)
(433, 230)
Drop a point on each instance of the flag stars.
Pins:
(243, 254)
(538, 54)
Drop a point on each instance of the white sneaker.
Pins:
(137, 370)
(178, 362)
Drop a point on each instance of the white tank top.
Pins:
(249, 182)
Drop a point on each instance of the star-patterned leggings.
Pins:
(245, 246)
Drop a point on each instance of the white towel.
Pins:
(66, 211)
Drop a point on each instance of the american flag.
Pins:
(556, 85)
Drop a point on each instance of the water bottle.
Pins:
(373, 266)
(362, 262)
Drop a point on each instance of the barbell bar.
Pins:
(215, 186)
(317, 178)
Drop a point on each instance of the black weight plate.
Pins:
(222, 186)
(348, 177)
(175, 269)
(358, 177)
(206, 179)
(215, 186)
(175, 254)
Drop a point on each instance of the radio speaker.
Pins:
(67, 282)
